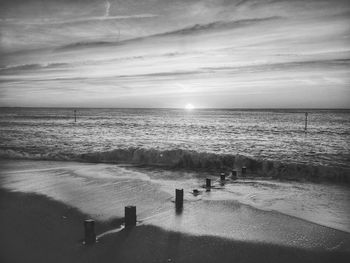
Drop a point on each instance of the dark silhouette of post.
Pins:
(208, 182)
(222, 176)
(234, 174)
(244, 170)
(90, 236)
(306, 114)
(75, 115)
(130, 216)
(179, 198)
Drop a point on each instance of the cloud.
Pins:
(223, 50)
(194, 29)
(26, 67)
(269, 67)
(221, 25)
(49, 21)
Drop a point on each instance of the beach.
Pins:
(43, 219)
(174, 131)
(37, 229)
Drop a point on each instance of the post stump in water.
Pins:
(90, 236)
(130, 216)
(179, 198)
(222, 176)
(208, 182)
(234, 174)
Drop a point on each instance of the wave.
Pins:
(193, 160)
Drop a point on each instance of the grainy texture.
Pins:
(36, 229)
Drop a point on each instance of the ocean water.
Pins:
(275, 135)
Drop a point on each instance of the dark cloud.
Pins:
(268, 67)
(25, 67)
(221, 25)
(194, 29)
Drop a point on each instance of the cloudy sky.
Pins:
(168, 53)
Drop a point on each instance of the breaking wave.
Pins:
(193, 160)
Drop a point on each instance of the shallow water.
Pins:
(245, 209)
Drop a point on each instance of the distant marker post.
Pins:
(75, 115)
(306, 114)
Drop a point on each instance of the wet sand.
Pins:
(43, 205)
(35, 228)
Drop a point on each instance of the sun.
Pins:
(189, 106)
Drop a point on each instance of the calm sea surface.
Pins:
(266, 134)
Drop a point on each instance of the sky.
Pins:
(171, 53)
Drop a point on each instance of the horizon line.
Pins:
(173, 108)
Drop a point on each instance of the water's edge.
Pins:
(193, 160)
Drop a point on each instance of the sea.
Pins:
(100, 160)
(274, 135)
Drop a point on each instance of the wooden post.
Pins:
(179, 198)
(222, 176)
(130, 216)
(75, 115)
(90, 236)
(244, 170)
(234, 174)
(208, 183)
(306, 114)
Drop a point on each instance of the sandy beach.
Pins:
(36, 229)
(39, 228)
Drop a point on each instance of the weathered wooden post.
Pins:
(306, 114)
(75, 115)
(130, 216)
(222, 176)
(208, 182)
(179, 198)
(234, 174)
(244, 170)
(90, 236)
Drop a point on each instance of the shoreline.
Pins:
(152, 188)
(38, 229)
(256, 168)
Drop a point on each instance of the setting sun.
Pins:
(189, 107)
